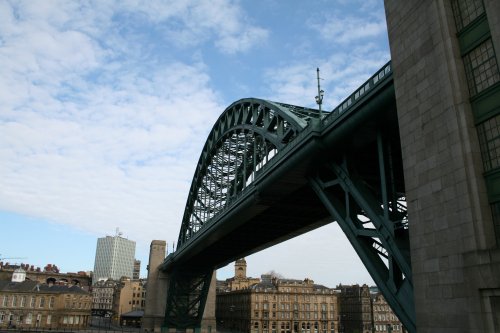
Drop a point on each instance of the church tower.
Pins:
(240, 269)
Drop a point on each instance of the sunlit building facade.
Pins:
(27, 305)
(276, 305)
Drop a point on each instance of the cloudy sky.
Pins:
(105, 107)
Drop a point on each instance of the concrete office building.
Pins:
(114, 258)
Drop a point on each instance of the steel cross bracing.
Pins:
(186, 297)
(248, 134)
(371, 210)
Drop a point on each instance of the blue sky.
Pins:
(105, 107)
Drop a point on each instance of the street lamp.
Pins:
(319, 97)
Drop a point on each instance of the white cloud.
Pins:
(192, 22)
(101, 130)
(341, 29)
(91, 142)
(341, 74)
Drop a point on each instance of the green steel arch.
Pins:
(248, 134)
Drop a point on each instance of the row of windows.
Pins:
(296, 306)
(381, 307)
(37, 319)
(301, 315)
(383, 317)
(302, 327)
(74, 305)
(285, 297)
(21, 301)
(384, 328)
(12, 318)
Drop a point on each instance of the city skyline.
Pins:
(106, 107)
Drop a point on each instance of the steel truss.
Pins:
(247, 135)
(372, 213)
(186, 297)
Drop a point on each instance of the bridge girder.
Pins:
(360, 186)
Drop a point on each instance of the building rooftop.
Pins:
(35, 286)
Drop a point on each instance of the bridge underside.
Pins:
(345, 168)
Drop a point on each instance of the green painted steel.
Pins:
(271, 171)
(186, 299)
(374, 220)
(244, 138)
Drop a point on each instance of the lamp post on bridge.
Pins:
(319, 97)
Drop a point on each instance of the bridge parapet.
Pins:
(366, 88)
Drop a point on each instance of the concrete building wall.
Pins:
(114, 258)
(455, 257)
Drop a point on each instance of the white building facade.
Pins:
(114, 258)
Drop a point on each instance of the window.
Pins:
(481, 67)
(14, 301)
(29, 318)
(465, 11)
(42, 302)
(51, 302)
(5, 300)
(32, 302)
(49, 319)
(23, 301)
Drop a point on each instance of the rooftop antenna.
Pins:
(118, 232)
(319, 97)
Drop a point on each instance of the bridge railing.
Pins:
(377, 79)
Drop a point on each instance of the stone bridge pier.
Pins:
(156, 297)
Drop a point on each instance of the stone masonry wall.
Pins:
(455, 259)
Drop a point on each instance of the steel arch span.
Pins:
(248, 134)
(271, 171)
